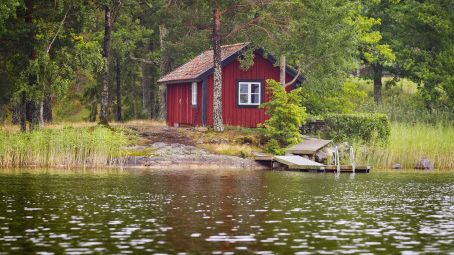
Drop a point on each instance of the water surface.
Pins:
(225, 212)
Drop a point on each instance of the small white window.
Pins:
(194, 94)
(249, 93)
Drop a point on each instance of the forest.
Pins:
(99, 61)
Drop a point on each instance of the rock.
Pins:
(396, 166)
(424, 164)
(321, 156)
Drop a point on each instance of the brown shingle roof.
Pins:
(200, 64)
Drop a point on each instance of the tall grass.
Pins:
(409, 143)
(61, 147)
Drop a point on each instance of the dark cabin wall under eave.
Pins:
(232, 114)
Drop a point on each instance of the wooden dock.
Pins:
(298, 163)
(308, 146)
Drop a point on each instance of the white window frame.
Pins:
(249, 93)
(194, 94)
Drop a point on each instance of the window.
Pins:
(194, 94)
(249, 93)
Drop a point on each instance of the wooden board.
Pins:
(260, 156)
(298, 162)
(309, 146)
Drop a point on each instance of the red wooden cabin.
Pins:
(190, 88)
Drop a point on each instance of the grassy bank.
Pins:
(61, 146)
(409, 143)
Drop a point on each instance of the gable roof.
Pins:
(202, 65)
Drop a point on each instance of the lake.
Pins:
(225, 212)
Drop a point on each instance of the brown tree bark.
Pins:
(105, 72)
(118, 90)
(378, 75)
(218, 124)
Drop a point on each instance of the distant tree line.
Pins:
(108, 54)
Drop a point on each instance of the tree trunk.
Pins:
(378, 75)
(48, 109)
(22, 113)
(93, 111)
(105, 72)
(146, 108)
(118, 78)
(218, 124)
(32, 114)
(41, 114)
(282, 67)
(164, 68)
(15, 109)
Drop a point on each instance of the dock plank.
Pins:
(309, 146)
(295, 162)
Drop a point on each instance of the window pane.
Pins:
(255, 88)
(244, 88)
(243, 99)
(255, 99)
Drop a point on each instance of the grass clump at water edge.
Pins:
(408, 143)
(67, 146)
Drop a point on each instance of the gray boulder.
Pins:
(396, 166)
(424, 164)
(321, 156)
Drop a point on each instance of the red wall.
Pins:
(180, 110)
(232, 114)
(179, 107)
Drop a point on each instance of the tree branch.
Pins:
(58, 31)
(145, 61)
(294, 79)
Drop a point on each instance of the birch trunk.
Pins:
(282, 70)
(105, 73)
(218, 124)
(164, 68)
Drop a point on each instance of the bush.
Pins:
(363, 127)
(286, 117)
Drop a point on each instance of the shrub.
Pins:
(363, 127)
(286, 117)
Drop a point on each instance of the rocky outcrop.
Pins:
(175, 155)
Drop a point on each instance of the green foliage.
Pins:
(286, 117)
(367, 128)
(346, 100)
(62, 146)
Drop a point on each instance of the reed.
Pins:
(62, 147)
(408, 144)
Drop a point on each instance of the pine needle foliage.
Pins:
(286, 114)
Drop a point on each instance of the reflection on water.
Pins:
(226, 212)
